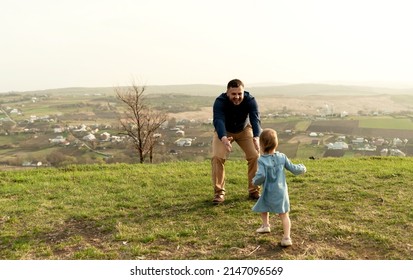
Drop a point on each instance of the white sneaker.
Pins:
(263, 229)
(285, 242)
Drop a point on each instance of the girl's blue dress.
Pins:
(271, 175)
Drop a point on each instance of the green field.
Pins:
(386, 123)
(356, 209)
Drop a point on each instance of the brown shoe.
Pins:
(218, 199)
(254, 195)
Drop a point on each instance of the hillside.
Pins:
(81, 125)
(355, 208)
(213, 90)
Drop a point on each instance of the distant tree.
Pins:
(172, 123)
(8, 126)
(57, 158)
(139, 121)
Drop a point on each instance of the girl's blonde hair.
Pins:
(268, 140)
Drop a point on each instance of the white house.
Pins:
(384, 152)
(15, 111)
(397, 153)
(379, 142)
(180, 133)
(58, 140)
(184, 142)
(82, 128)
(32, 164)
(397, 142)
(358, 140)
(337, 146)
(105, 136)
(89, 137)
(365, 147)
(115, 138)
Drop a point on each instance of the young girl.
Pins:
(271, 176)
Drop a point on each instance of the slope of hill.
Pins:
(357, 208)
(213, 90)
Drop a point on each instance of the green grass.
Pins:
(358, 208)
(302, 125)
(307, 150)
(386, 123)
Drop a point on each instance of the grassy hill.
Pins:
(353, 208)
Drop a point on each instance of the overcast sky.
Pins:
(91, 43)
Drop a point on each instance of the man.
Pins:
(235, 118)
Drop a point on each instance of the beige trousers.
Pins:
(219, 154)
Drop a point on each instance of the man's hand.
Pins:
(227, 142)
(256, 141)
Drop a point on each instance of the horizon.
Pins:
(391, 86)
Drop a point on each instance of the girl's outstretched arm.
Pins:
(296, 169)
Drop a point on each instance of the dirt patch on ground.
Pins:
(64, 242)
(303, 139)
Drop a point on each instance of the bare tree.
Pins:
(139, 121)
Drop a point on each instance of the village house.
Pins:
(392, 152)
(184, 142)
(343, 114)
(15, 111)
(32, 164)
(397, 142)
(116, 139)
(341, 138)
(337, 146)
(105, 136)
(82, 128)
(365, 147)
(58, 140)
(58, 129)
(180, 133)
(397, 153)
(379, 142)
(358, 140)
(89, 137)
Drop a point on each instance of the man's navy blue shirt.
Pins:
(234, 118)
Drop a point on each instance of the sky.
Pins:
(49, 44)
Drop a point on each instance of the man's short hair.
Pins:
(235, 83)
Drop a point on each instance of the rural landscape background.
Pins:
(70, 188)
(58, 127)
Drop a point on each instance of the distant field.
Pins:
(387, 127)
(345, 127)
(386, 123)
(296, 109)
